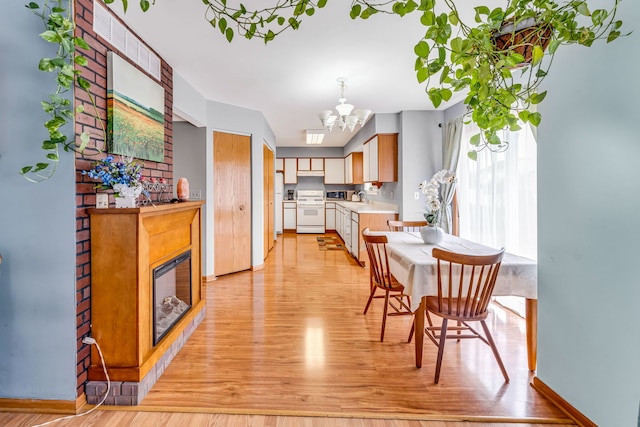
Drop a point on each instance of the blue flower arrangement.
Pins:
(116, 175)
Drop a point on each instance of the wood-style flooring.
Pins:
(288, 345)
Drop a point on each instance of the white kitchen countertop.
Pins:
(373, 207)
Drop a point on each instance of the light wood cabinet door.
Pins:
(380, 162)
(353, 168)
(268, 195)
(279, 164)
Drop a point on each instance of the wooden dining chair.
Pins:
(465, 287)
(405, 225)
(381, 278)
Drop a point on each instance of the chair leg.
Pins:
(442, 340)
(413, 326)
(492, 344)
(373, 291)
(384, 315)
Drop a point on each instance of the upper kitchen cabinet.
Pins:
(380, 158)
(290, 170)
(334, 171)
(353, 168)
(306, 164)
(279, 164)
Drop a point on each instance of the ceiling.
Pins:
(294, 77)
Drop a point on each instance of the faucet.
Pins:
(363, 196)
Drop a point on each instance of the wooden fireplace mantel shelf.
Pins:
(126, 245)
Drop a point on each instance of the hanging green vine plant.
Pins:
(499, 60)
(483, 59)
(59, 30)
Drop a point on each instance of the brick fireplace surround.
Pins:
(122, 392)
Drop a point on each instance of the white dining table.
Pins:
(411, 263)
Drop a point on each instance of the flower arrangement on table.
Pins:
(123, 177)
(431, 190)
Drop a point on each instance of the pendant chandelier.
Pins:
(344, 119)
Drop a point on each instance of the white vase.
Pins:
(128, 201)
(431, 234)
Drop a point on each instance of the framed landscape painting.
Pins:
(135, 112)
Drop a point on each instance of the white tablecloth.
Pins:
(411, 263)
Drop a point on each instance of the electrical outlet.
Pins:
(195, 194)
(416, 195)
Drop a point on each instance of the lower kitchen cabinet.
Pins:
(289, 212)
(355, 235)
(375, 222)
(330, 216)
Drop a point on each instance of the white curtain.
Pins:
(497, 193)
(497, 198)
(452, 135)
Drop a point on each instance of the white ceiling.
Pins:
(292, 78)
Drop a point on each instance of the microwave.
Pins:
(336, 195)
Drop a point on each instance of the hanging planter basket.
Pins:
(522, 37)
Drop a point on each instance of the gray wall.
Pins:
(589, 239)
(419, 157)
(37, 227)
(190, 161)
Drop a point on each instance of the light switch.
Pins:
(417, 195)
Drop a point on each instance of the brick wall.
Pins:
(96, 73)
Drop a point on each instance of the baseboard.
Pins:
(562, 404)
(257, 267)
(210, 278)
(67, 407)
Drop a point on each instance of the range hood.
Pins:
(310, 173)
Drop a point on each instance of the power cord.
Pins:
(89, 341)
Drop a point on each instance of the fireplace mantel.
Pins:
(126, 245)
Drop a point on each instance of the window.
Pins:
(497, 195)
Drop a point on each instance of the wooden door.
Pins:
(268, 185)
(232, 202)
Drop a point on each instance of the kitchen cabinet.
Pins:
(353, 168)
(279, 164)
(317, 164)
(289, 212)
(330, 216)
(304, 164)
(290, 170)
(334, 171)
(375, 222)
(355, 235)
(339, 228)
(380, 158)
(346, 228)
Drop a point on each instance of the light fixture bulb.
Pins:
(344, 109)
(362, 115)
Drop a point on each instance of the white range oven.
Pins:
(310, 218)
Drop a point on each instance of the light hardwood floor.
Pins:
(289, 346)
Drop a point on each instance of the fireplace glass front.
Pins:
(171, 294)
